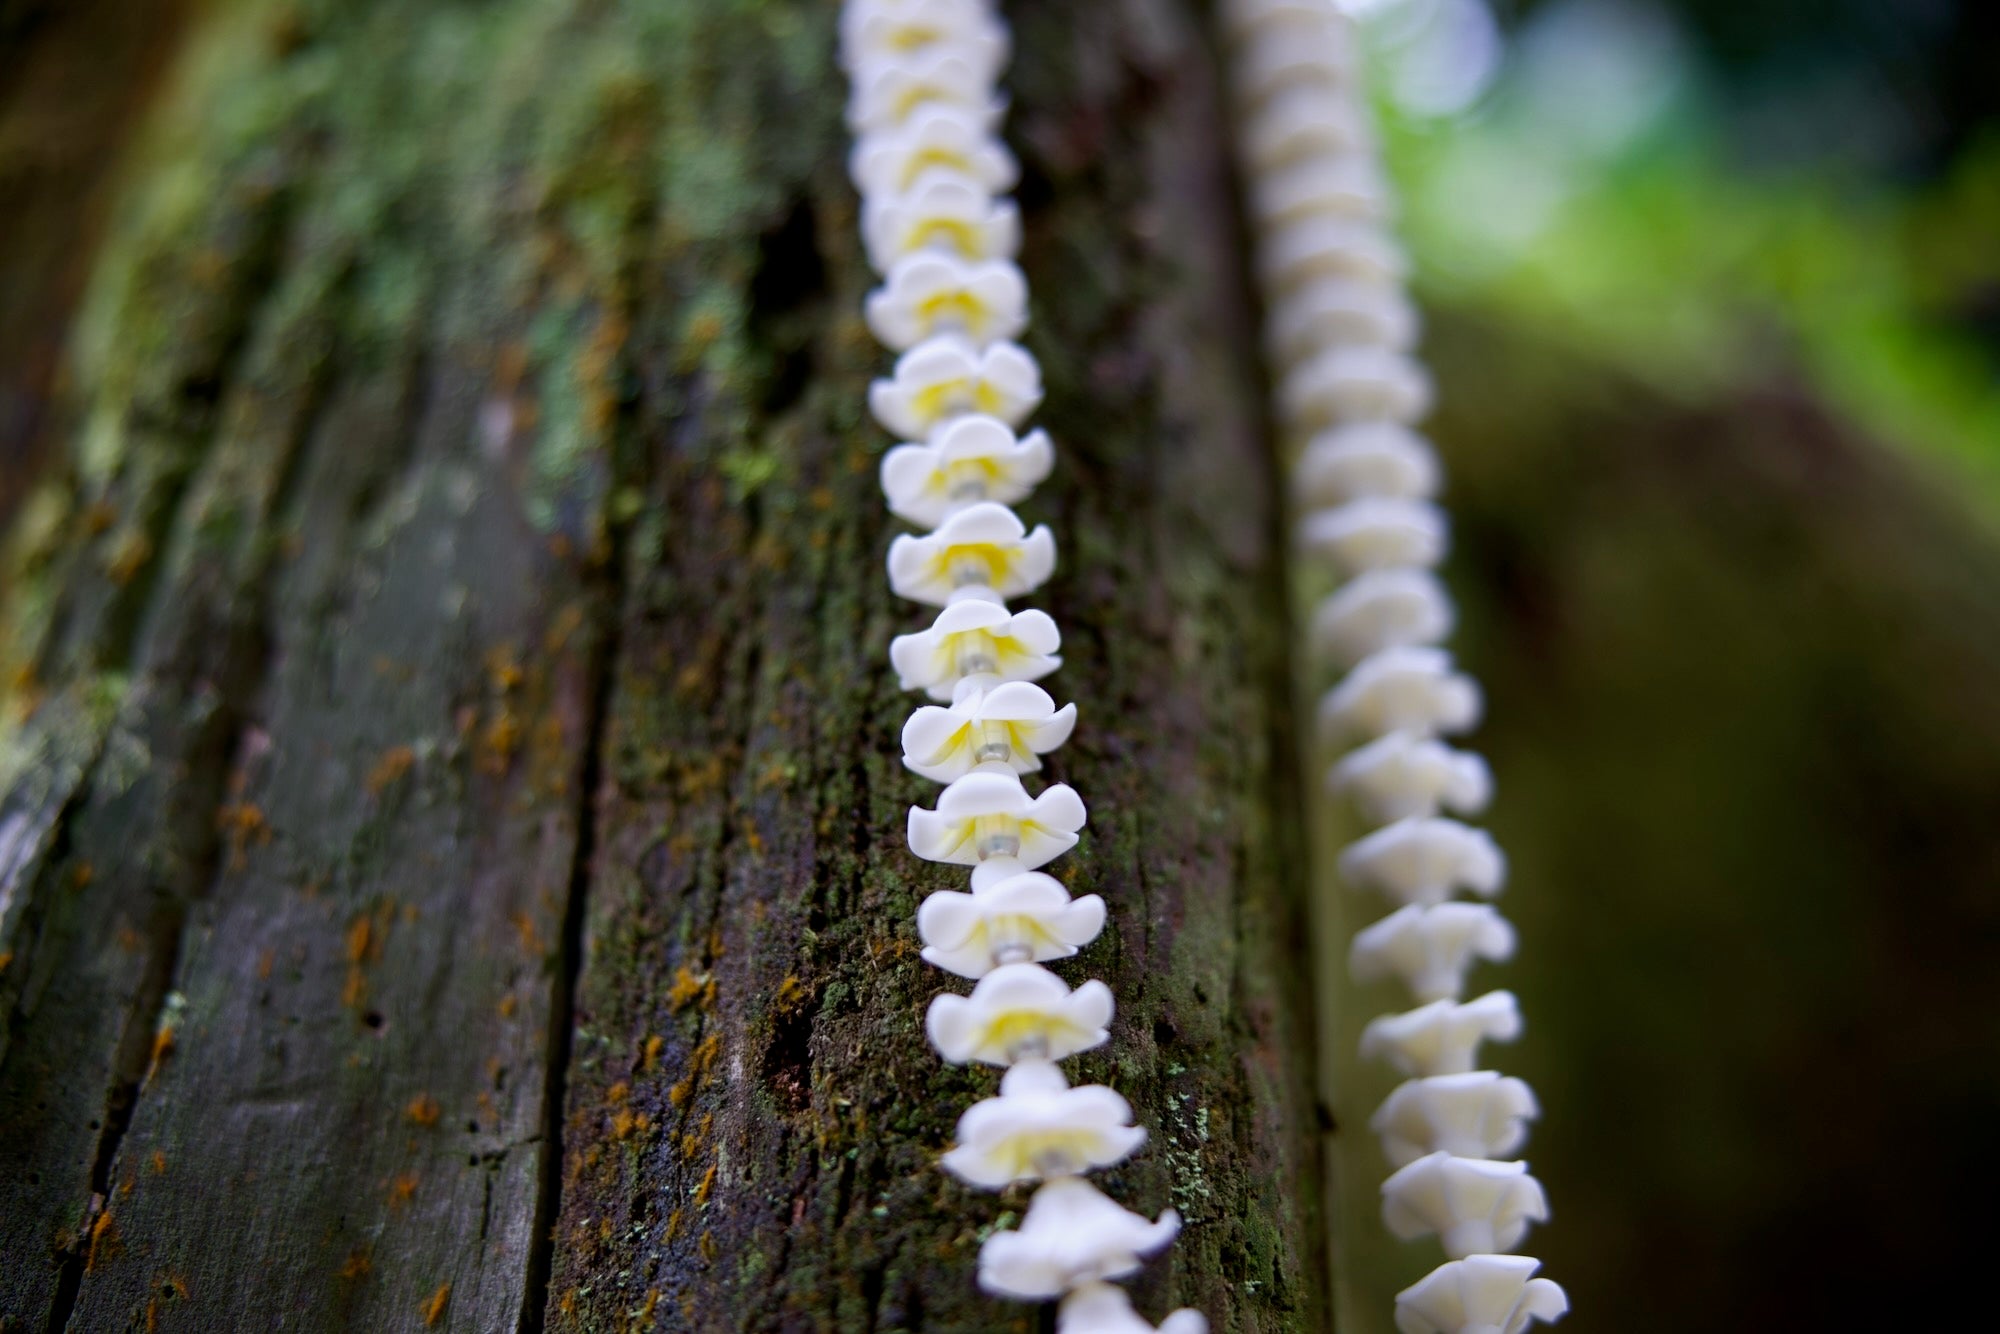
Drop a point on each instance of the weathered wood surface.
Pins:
(451, 870)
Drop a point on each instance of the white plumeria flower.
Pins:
(1481, 1294)
(971, 459)
(1099, 1308)
(1405, 773)
(1240, 18)
(989, 719)
(1381, 609)
(1348, 186)
(937, 134)
(1425, 860)
(889, 93)
(945, 212)
(948, 375)
(1476, 1207)
(1365, 459)
(1040, 1127)
(984, 546)
(929, 293)
(1481, 1114)
(1071, 1235)
(1400, 689)
(1330, 310)
(1431, 948)
(1376, 533)
(877, 32)
(1011, 916)
(1442, 1038)
(976, 637)
(1305, 45)
(1303, 120)
(989, 814)
(1344, 384)
(1328, 245)
(1019, 1012)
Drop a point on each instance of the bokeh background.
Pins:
(1714, 302)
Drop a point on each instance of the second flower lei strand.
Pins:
(1340, 332)
(935, 222)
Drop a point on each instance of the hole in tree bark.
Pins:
(788, 1060)
(790, 279)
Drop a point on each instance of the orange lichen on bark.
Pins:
(434, 1305)
(499, 742)
(366, 936)
(423, 1110)
(402, 1190)
(524, 927)
(701, 1192)
(103, 1241)
(242, 823)
(395, 763)
(173, 1288)
(650, 1055)
(357, 1264)
(693, 1141)
(163, 1047)
(625, 1124)
(688, 988)
(503, 667)
(158, 1163)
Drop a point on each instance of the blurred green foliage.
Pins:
(1597, 198)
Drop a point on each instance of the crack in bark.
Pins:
(240, 664)
(135, 1052)
(609, 600)
(569, 969)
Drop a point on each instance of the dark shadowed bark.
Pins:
(451, 862)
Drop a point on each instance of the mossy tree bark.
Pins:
(451, 870)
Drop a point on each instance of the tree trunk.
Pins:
(451, 858)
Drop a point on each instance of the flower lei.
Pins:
(1340, 331)
(935, 223)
